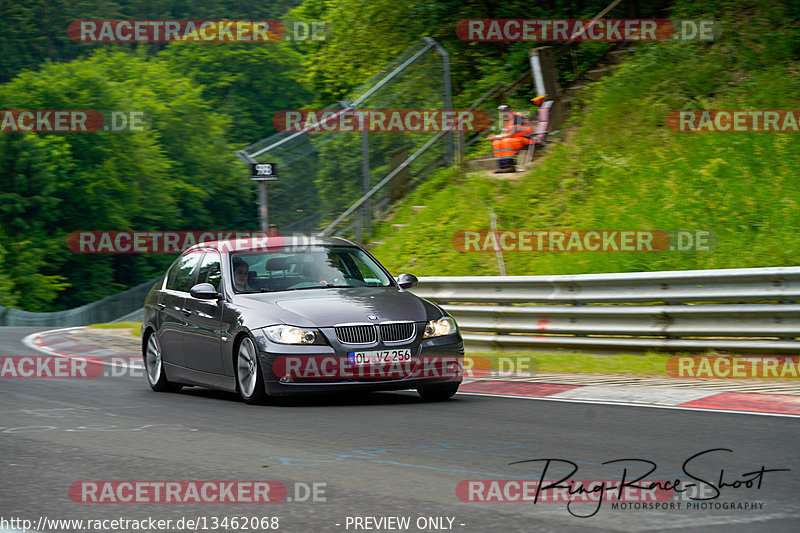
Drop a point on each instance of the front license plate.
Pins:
(379, 357)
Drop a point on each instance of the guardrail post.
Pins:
(780, 320)
(579, 304)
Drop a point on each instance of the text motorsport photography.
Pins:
(694, 489)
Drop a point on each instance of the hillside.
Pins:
(619, 167)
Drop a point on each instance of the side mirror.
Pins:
(406, 281)
(205, 291)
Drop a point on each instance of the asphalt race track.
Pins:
(380, 455)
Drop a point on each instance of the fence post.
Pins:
(448, 94)
(545, 77)
(398, 186)
(366, 213)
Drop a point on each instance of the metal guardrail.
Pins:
(741, 310)
(106, 310)
(750, 310)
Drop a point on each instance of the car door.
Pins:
(171, 307)
(202, 340)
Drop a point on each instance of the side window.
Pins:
(350, 267)
(173, 271)
(210, 270)
(364, 268)
(181, 275)
(366, 274)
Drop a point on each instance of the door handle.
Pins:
(186, 312)
(161, 307)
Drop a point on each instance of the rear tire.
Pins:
(249, 377)
(437, 393)
(154, 367)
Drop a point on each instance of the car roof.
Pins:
(276, 242)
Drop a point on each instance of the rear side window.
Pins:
(183, 272)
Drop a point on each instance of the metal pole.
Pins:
(380, 184)
(448, 99)
(536, 68)
(366, 226)
(263, 210)
(263, 193)
(395, 72)
(460, 150)
(356, 103)
(448, 93)
(580, 32)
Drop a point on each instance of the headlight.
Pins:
(291, 335)
(436, 328)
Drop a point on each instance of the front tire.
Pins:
(154, 367)
(437, 393)
(249, 377)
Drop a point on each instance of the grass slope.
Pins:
(621, 168)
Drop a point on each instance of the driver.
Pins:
(240, 274)
(333, 269)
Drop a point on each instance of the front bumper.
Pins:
(297, 370)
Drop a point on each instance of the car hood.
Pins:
(328, 307)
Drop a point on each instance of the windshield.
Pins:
(316, 267)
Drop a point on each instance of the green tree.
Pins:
(179, 174)
(30, 170)
(369, 34)
(8, 296)
(35, 31)
(246, 81)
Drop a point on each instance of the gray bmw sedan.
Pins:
(279, 317)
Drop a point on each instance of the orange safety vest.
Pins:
(520, 120)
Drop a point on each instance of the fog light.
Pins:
(287, 379)
(454, 368)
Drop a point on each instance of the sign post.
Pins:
(264, 173)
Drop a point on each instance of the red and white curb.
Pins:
(786, 405)
(59, 342)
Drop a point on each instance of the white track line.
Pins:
(628, 404)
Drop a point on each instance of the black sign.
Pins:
(263, 171)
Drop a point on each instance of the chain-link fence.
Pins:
(105, 310)
(323, 173)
